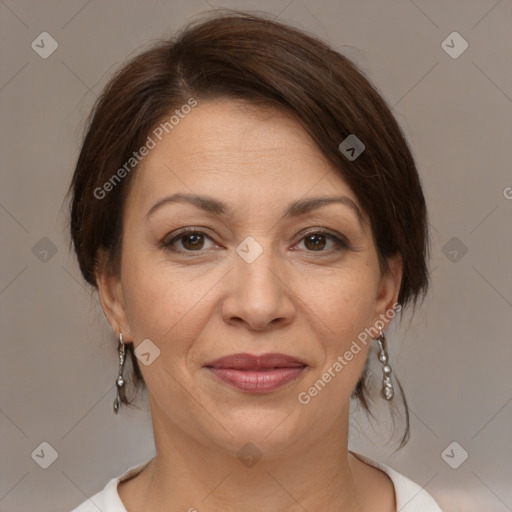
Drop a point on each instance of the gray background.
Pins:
(59, 363)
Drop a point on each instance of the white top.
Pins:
(410, 497)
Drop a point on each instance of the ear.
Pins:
(110, 290)
(389, 288)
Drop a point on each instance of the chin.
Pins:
(268, 433)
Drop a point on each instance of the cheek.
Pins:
(344, 309)
(164, 304)
(158, 309)
(346, 304)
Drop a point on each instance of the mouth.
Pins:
(257, 374)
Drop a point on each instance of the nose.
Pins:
(258, 296)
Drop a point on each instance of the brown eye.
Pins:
(315, 242)
(190, 240)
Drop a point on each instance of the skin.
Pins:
(296, 298)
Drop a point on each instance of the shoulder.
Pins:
(410, 497)
(108, 500)
(100, 500)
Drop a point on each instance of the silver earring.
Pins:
(387, 386)
(120, 380)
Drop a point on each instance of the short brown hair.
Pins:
(254, 58)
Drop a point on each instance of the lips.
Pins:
(257, 374)
(253, 362)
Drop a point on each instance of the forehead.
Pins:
(229, 147)
(233, 129)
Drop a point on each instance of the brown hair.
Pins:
(253, 58)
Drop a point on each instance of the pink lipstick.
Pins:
(257, 374)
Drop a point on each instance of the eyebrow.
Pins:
(295, 209)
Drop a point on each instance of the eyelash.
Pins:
(341, 245)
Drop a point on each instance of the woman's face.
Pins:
(266, 274)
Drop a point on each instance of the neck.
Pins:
(193, 476)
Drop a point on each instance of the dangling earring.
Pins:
(387, 386)
(120, 380)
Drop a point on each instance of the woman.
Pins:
(252, 218)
